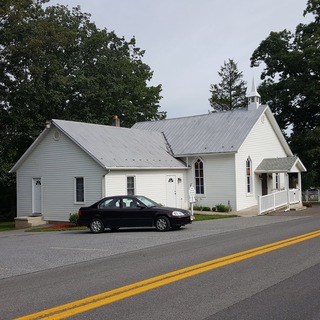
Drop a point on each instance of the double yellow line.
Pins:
(96, 301)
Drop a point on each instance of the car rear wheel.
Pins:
(96, 226)
(162, 224)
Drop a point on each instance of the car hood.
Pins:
(172, 209)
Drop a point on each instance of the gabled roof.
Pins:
(218, 132)
(286, 164)
(155, 144)
(115, 147)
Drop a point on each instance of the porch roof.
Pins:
(287, 164)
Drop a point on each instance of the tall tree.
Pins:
(230, 93)
(55, 63)
(291, 78)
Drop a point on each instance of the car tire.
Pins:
(162, 223)
(96, 226)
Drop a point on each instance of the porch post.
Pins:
(259, 205)
(286, 180)
(299, 187)
(287, 187)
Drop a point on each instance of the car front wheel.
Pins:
(162, 224)
(96, 226)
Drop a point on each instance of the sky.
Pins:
(187, 41)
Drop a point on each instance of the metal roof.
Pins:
(124, 148)
(217, 132)
(280, 165)
(116, 147)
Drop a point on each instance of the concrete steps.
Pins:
(29, 221)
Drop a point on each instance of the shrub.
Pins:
(214, 208)
(206, 209)
(198, 208)
(307, 204)
(222, 208)
(73, 218)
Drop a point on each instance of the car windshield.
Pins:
(147, 202)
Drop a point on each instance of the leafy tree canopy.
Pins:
(55, 63)
(230, 93)
(291, 79)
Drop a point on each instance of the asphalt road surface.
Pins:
(237, 268)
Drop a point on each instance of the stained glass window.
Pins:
(199, 176)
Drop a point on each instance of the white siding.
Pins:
(219, 180)
(262, 142)
(57, 163)
(150, 183)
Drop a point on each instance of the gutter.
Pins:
(145, 168)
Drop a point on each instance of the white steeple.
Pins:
(254, 98)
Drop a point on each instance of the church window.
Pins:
(249, 175)
(199, 176)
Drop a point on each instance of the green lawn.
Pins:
(7, 226)
(202, 217)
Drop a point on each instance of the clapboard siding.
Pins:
(150, 183)
(57, 163)
(219, 171)
(262, 142)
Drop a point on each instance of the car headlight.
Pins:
(177, 213)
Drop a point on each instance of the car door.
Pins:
(110, 212)
(135, 214)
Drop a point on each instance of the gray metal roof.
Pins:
(217, 132)
(279, 164)
(116, 147)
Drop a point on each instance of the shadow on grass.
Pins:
(7, 226)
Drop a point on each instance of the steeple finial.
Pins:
(254, 98)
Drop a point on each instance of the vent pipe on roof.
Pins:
(48, 124)
(116, 121)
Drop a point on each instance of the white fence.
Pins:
(278, 199)
(311, 195)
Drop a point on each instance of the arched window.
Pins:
(249, 175)
(199, 176)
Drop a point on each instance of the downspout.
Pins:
(103, 181)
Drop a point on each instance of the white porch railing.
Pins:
(278, 199)
(294, 196)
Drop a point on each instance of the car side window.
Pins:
(129, 203)
(110, 203)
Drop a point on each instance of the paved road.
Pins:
(25, 252)
(41, 270)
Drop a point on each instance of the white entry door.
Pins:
(171, 191)
(36, 195)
